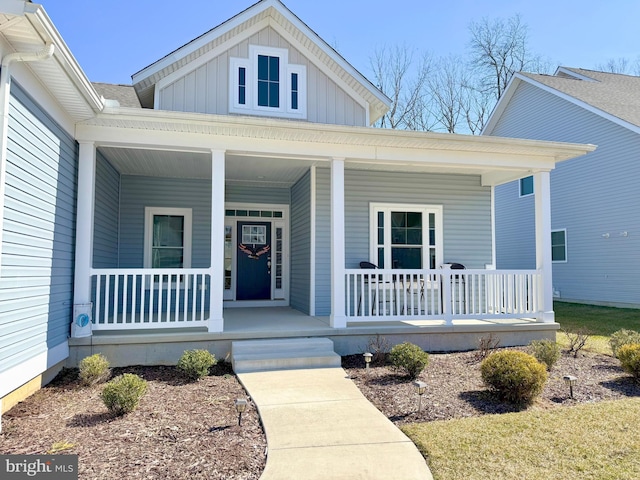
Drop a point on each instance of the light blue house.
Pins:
(232, 191)
(594, 200)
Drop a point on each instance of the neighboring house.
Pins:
(241, 170)
(594, 201)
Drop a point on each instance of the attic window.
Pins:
(266, 84)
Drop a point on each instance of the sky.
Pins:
(113, 39)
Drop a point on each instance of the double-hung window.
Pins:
(526, 186)
(266, 83)
(167, 237)
(559, 246)
(406, 236)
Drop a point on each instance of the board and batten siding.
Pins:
(591, 196)
(205, 89)
(106, 222)
(466, 217)
(138, 192)
(38, 239)
(300, 244)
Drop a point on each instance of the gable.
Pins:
(209, 84)
(259, 23)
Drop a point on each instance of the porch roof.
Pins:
(287, 142)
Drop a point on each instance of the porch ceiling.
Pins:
(271, 172)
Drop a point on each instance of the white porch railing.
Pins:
(379, 295)
(149, 298)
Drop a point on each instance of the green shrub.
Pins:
(546, 351)
(94, 369)
(516, 377)
(195, 364)
(629, 356)
(409, 358)
(623, 337)
(122, 394)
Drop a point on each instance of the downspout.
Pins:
(5, 87)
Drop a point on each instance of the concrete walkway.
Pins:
(319, 426)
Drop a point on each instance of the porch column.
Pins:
(216, 291)
(84, 225)
(542, 194)
(338, 317)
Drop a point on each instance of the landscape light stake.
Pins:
(367, 359)
(241, 406)
(570, 380)
(421, 387)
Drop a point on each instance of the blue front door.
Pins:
(254, 261)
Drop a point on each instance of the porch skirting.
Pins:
(162, 347)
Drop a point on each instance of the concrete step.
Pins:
(283, 354)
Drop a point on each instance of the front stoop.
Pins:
(283, 354)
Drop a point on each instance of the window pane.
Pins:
(381, 236)
(274, 69)
(398, 219)
(526, 186)
(168, 230)
(398, 236)
(263, 94)
(242, 97)
(263, 67)
(432, 258)
(294, 82)
(557, 238)
(558, 254)
(414, 219)
(406, 257)
(242, 80)
(414, 236)
(380, 219)
(380, 257)
(274, 94)
(294, 100)
(167, 258)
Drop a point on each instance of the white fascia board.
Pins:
(573, 74)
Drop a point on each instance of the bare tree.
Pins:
(614, 65)
(403, 81)
(498, 49)
(447, 91)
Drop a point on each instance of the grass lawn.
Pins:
(594, 441)
(601, 321)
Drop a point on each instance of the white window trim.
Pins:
(149, 213)
(521, 195)
(251, 96)
(566, 250)
(374, 208)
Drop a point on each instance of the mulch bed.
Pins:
(180, 430)
(189, 429)
(455, 388)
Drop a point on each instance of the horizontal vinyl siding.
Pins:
(300, 244)
(590, 196)
(137, 192)
(36, 285)
(105, 229)
(206, 88)
(466, 217)
(323, 242)
(515, 228)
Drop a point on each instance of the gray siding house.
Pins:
(594, 200)
(233, 190)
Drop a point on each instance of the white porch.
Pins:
(161, 346)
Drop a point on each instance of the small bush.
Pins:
(409, 358)
(379, 347)
(486, 345)
(94, 369)
(516, 377)
(546, 351)
(629, 356)
(122, 394)
(577, 338)
(195, 364)
(623, 337)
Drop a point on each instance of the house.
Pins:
(594, 201)
(232, 191)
